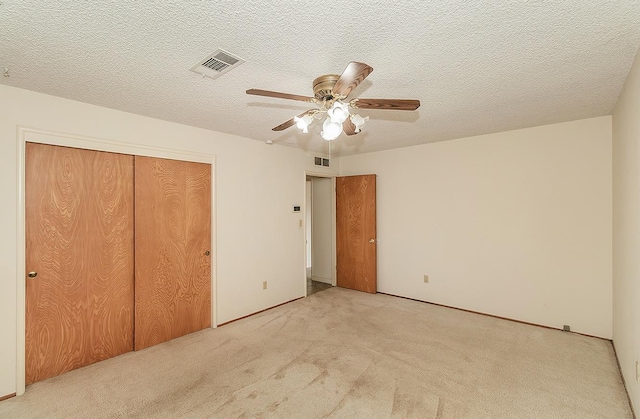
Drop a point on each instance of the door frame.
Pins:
(333, 226)
(24, 135)
(308, 227)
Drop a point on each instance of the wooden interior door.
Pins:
(79, 242)
(356, 232)
(172, 249)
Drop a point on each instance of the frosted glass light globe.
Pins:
(303, 123)
(331, 130)
(339, 112)
(358, 121)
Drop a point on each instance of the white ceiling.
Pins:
(477, 67)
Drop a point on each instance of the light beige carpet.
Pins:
(346, 354)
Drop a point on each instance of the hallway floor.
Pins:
(315, 286)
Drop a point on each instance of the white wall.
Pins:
(626, 231)
(322, 233)
(258, 235)
(515, 224)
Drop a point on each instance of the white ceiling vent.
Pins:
(217, 64)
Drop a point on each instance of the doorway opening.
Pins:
(319, 233)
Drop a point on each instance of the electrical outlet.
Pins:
(264, 285)
(566, 328)
(637, 372)
(426, 279)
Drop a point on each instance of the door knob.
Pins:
(32, 274)
(207, 253)
(372, 240)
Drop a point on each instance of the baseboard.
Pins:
(8, 396)
(321, 279)
(494, 316)
(258, 312)
(624, 383)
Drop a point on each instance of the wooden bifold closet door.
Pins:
(118, 255)
(172, 249)
(79, 252)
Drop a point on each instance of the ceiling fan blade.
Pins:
(290, 122)
(349, 127)
(392, 104)
(279, 95)
(351, 77)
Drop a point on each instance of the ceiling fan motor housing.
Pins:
(323, 86)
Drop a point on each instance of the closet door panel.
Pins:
(79, 248)
(172, 249)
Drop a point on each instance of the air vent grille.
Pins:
(222, 56)
(321, 161)
(216, 64)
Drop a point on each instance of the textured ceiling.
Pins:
(477, 67)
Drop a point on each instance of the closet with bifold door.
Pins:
(117, 254)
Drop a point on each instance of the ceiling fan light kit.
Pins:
(330, 92)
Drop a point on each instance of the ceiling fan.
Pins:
(330, 92)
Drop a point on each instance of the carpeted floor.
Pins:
(345, 354)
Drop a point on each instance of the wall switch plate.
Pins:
(264, 285)
(426, 279)
(566, 328)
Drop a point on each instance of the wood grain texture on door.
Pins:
(79, 241)
(356, 232)
(172, 244)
